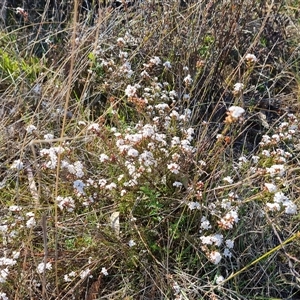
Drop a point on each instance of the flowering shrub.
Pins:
(137, 159)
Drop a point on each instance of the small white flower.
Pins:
(236, 111)
(121, 42)
(272, 188)
(79, 185)
(17, 165)
(42, 266)
(188, 80)
(15, 208)
(215, 257)
(68, 277)
(3, 296)
(266, 153)
(237, 88)
(217, 239)
(194, 205)
(205, 224)
(31, 223)
(4, 261)
(3, 275)
(167, 65)
(30, 128)
(67, 203)
(278, 170)
(104, 271)
(131, 243)
(94, 127)
(48, 136)
(155, 60)
(273, 206)
(84, 273)
(177, 184)
(130, 91)
(228, 179)
(206, 240)
(111, 186)
(251, 58)
(219, 279)
(132, 152)
(227, 253)
(81, 123)
(289, 207)
(20, 10)
(174, 168)
(229, 243)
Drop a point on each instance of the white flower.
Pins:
(167, 65)
(131, 243)
(250, 58)
(279, 197)
(30, 128)
(273, 206)
(3, 228)
(130, 91)
(79, 185)
(67, 276)
(186, 97)
(238, 87)
(81, 123)
(132, 152)
(219, 279)
(20, 10)
(236, 111)
(103, 157)
(104, 271)
(255, 159)
(177, 184)
(289, 207)
(94, 127)
(3, 275)
(174, 168)
(30, 223)
(173, 94)
(84, 273)
(121, 42)
(229, 243)
(217, 239)
(276, 170)
(3, 296)
(48, 136)
(66, 202)
(111, 186)
(145, 74)
(266, 153)
(42, 266)
(123, 54)
(227, 253)
(194, 205)
(4, 261)
(228, 179)
(215, 257)
(205, 224)
(206, 240)
(15, 208)
(17, 165)
(188, 80)
(272, 188)
(155, 60)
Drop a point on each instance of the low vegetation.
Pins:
(151, 151)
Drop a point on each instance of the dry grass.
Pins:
(98, 195)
